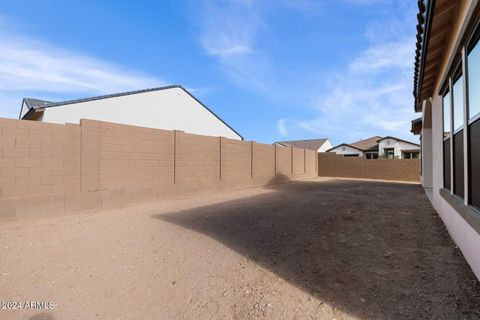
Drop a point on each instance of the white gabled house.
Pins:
(347, 150)
(168, 108)
(379, 147)
(395, 148)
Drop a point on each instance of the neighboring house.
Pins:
(395, 148)
(168, 108)
(319, 145)
(376, 146)
(446, 90)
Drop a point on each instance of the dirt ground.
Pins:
(317, 249)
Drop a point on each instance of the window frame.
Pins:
(447, 89)
(457, 75)
(457, 70)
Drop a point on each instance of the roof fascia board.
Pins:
(398, 139)
(458, 41)
(425, 41)
(213, 113)
(345, 145)
(64, 103)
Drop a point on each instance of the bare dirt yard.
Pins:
(317, 249)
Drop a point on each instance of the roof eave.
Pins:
(426, 37)
(345, 145)
(31, 112)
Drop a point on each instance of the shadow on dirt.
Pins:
(42, 316)
(370, 249)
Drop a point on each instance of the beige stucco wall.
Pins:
(467, 239)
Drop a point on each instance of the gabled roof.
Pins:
(344, 145)
(398, 139)
(369, 144)
(37, 104)
(313, 144)
(108, 96)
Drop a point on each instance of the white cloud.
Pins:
(372, 97)
(30, 66)
(228, 28)
(228, 31)
(384, 56)
(282, 128)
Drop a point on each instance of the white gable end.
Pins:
(326, 146)
(168, 109)
(346, 150)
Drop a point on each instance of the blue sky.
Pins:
(273, 69)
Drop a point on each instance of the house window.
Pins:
(389, 153)
(446, 140)
(410, 155)
(473, 81)
(474, 124)
(458, 163)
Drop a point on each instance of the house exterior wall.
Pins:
(326, 146)
(346, 150)
(162, 109)
(461, 231)
(427, 173)
(398, 147)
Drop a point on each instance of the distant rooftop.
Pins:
(369, 144)
(313, 144)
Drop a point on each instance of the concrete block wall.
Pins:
(197, 162)
(283, 160)
(264, 160)
(47, 169)
(311, 162)
(333, 165)
(236, 163)
(400, 169)
(298, 162)
(38, 159)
